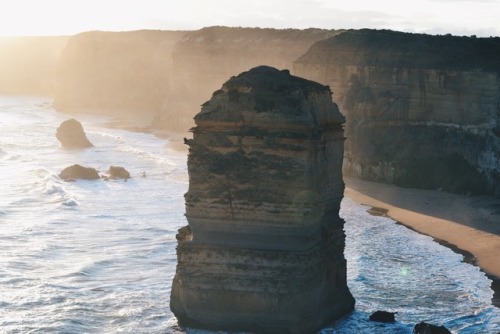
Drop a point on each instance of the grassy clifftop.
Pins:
(368, 47)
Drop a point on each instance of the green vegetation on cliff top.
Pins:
(369, 47)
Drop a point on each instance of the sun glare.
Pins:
(59, 17)
(63, 17)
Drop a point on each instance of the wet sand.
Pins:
(463, 223)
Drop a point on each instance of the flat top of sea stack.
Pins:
(269, 98)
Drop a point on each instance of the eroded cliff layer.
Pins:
(167, 74)
(421, 110)
(263, 251)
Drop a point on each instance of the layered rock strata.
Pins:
(263, 251)
(422, 111)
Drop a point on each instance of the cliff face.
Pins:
(264, 248)
(28, 64)
(422, 111)
(116, 72)
(204, 59)
(167, 74)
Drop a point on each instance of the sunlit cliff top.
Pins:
(368, 47)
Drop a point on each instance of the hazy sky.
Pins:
(67, 17)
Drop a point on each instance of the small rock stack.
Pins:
(264, 249)
(71, 135)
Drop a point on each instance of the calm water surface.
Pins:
(99, 257)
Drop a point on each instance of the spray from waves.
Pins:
(106, 137)
(145, 155)
(52, 188)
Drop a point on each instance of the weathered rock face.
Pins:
(422, 111)
(203, 60)
(71, 135)
(264, 247)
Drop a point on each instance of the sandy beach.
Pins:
(470, 223)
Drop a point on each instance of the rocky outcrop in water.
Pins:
(422, 111)
(383, 316)
(264, 247)
(71, 135)
(118, 172)
(203, 60)
(425, 328)
(76, 171)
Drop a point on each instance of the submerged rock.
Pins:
(382, 316)
(79, 172)
(71, 135)
(425, 328)
(118, 172)
(264, 248)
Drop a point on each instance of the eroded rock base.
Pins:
(222, 288)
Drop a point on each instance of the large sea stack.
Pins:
(264, 249)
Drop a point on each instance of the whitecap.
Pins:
(11, 157)
(70, 202)
(52, 189)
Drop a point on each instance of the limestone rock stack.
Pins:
(263, 251)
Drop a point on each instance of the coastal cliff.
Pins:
(204, 59)
(116, 73)
(263, 251)
(421, 111)
(164, 76)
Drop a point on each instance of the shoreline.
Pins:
(420, 219)
(466, 225)
(175, 138)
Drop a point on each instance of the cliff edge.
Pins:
(263, 251)
(421, 111)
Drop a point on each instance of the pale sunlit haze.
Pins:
(63, 17)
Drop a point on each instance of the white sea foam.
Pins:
(99, 257)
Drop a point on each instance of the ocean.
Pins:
(99, 257)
